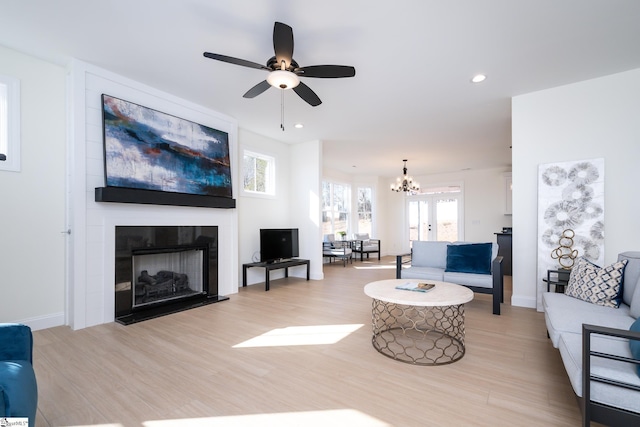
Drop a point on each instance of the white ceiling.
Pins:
(411, 96)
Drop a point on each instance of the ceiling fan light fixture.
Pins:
(282, 79)
(284, 71)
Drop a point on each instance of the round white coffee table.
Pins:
(421, 328)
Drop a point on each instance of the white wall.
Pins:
(306, 184)
(256, 211)
(295, 205)
(32, 200)
(598, 118)
(382, 222)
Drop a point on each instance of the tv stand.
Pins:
(268, 266)
(279, 261)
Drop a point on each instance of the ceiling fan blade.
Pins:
(307, 94)
(326, 71)
(236, 61)
(257, 89)
(283, 43)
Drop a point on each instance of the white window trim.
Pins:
(349, 204)
(373, 207)
(271, 191)
(12, 114)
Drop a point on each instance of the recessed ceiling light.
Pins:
(298, 126)
(478, 78)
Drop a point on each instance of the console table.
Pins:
(268, 266)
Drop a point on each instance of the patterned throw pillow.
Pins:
(596, 285)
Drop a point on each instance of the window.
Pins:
(9, 123)
(364, 210)
(336, 212)
(258, 174)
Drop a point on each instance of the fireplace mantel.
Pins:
(150, 197)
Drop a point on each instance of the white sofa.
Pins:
(429, 261)
(579, 328)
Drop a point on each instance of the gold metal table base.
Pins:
(420, 335)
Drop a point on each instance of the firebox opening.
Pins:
(168, 274)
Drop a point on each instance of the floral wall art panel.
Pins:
(570, 204)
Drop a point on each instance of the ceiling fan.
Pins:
(284, 71)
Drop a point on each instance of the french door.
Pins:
(434, 217)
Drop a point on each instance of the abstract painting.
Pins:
(150, 150)
(570, 197)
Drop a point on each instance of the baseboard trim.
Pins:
(43, 322)
(528, 302)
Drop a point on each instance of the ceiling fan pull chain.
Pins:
(282, 110)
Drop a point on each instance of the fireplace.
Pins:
(164, 269)
(165, 274)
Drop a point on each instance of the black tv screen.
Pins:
(278, 244)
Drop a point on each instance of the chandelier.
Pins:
(405, 183)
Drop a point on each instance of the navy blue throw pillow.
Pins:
(471, 258)
(634, 344)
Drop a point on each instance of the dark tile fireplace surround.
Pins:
(164, 269)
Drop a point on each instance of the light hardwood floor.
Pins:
(187, 369)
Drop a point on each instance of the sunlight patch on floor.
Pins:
(375, 267)
(335, 418)
(301, 335)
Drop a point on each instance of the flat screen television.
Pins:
(278, 244)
